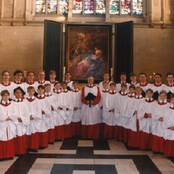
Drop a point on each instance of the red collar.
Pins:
(145, 84)
(5, 104)
(171, 85)
(64, 91)
(122, 94)
(30, 83)
(149, 101)
(157, 85)
(112, 92)
(17, 101)
(105, 91)
(75, 90)
(18, 82)
(41, 82)
(171, 108)
(30, 100)
(40, 98)
(90, 86)
(162, 103)
(52, 82)
(5, 84)
(55, 91)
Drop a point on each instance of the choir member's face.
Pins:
(131, 90)
(90, 80)
(67, 76)
(170, 79)
(133, 78)
(41, 76)
(162, 96)
(138, 91)
(123, 78)
(149, 94)
(76, 86)
(40, 91)
(30, 77)
(113, 87)
(31, 92)
(6, 76)
(105, 85)
(142, 78)
(5, 97)
(57, 87)
(52, 76)
(48, 89)
(172, 101)
(106, 77)
(18, 77)
(64, 86)
(157, 79)
(18, 94)
(123, 88)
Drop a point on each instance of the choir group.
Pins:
(34, 114)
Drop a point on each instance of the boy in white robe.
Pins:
(52, 75)
(6, 84)
(169, 128)
(109, 119)
(133, 78)
(45, 110)
(105, 79)
(35, 120)
(23, 117)
(53, 105)
(123, 78)
(146, 113)
(8, 118)
(41, 78)
(158, 142)
(77, 104)
(90, 110)
(30, 81)
(68, 81)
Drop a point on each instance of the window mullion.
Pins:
(46, 7)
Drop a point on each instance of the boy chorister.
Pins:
(122, 96)
(134, 119)
(7, 127)
(158, 142)
(6, 84)
(169, 87)
(59, 122)
(169, 128)
(76, 117)
(41, 78)
(30, 81)
(53, 104)
(66, 109)
(109, 103)
(45, 110)
(23, 121)
(123, 78)
(133, 78)
(157, 86)
(18, 75)
(35, 120)
(105, 79)
(146, 113)
(90, 110)
(143, 83)
(68, 81)
(52, 75)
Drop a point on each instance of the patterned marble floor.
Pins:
(74, 156)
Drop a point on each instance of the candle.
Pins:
(25, 74)
(154, 73)
(150, 77)
(64, 70)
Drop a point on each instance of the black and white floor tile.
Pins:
(75, 156)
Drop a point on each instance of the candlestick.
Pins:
(112, 74)
(64, 70)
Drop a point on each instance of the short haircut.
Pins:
(132, 74)
(17, 72)
(52, 72)
(3, 72)
(132, 86)
(91, 76)
(75, 82)
(56, 83)
(30, 88)
(149, 90)
(105, 73)
(67, 72)
(171, 96)
(123, 85)
(158, 74)
(123, 73)
(30, 72)
(64, 83)
(112, 84)
(163, 92)
(169, 73)
(104, 82)
(47, 84)
(4, 92)
(142, 73)
(138, 87)
(40, 87)
(41, 71)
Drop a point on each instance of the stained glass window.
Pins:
(40, 6)
(126, 7)
(100, 6)
(114, 7)
(52, 6)
(77, 6)
(88, 6)
(64, 6)
(137, 7)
